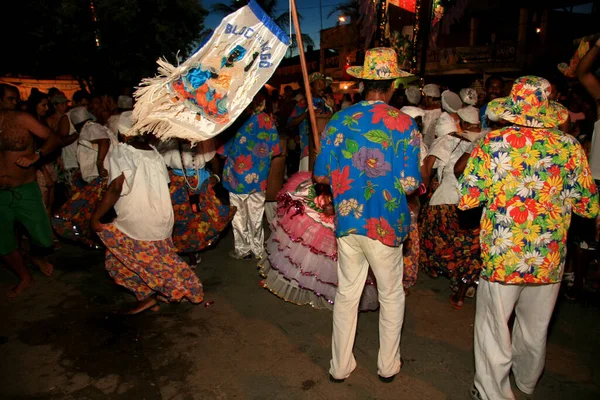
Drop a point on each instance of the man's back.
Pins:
(530, 180)
(370, 152)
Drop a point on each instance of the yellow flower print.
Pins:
(585, 178)
(468, 202)
(551, 262)
(526, 231)
(528, 156)
(203, 227)
(486, 227)
(551, 189)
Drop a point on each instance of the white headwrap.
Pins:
(468, 96)
(125, 122)
(413, 95)
(469, 114)
(80, 114)
(413, 112)
(431, 90)
(451, 102)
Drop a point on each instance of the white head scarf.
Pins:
(431, 90)
(413, 94)
(451, 102)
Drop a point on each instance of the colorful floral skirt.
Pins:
(446, 248)
(72, 220)
(149, 267)
(412, 252)
(301, 266)
(194, 231)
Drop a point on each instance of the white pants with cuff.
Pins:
(355, 254)
(247, 223)
(304, 164)
(495, 351)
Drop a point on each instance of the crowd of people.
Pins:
(477, 184)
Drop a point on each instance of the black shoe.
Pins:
(333, 380)
(389, 379)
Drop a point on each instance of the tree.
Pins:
(349, 9)
(269, 6)
(59, 37)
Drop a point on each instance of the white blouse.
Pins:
(447, 149)
(144, 210)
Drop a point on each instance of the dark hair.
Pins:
(79, 95)
(34, 99)
(53, 91)
(4, 87)
(377, 86)
(489, 80)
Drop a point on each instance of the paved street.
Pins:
(245, 343)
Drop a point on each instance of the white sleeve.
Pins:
(120, 160)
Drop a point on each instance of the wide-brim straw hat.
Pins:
(528, 105)
(381, 63)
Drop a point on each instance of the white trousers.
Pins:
(247, 223)
(355, 254)
(495, 351)
(270, 211)
(303, 167)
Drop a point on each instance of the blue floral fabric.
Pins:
(249, 155)
(304, 126)
(370, 153)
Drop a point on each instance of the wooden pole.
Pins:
(309, 99)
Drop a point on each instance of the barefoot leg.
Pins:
(43, 264)
(15, 260)
(458, 298)
(142, 306)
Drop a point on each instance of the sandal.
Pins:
(454, 304)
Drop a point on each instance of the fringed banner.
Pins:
(204, 95)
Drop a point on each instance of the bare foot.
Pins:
(24, 284)
(43, 264)
(455, 302)
(141, 306)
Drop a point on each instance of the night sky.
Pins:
(309, 10)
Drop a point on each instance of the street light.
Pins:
(342, 18)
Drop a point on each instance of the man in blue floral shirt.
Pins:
(369, 156)
(245, 175)
(299, 117)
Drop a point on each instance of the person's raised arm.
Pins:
(103, 147)
(585, 74)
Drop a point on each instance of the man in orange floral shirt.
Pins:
(529, 177)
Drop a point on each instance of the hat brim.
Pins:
(395, 73)
(554, 116)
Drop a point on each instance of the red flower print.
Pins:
(392, 118)
(263, 186)
(474, 192)
(554, 170)
(340, 181)
(275, 150)
(518, 139)
(243, 164)
(380, 229)
(265, 121)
